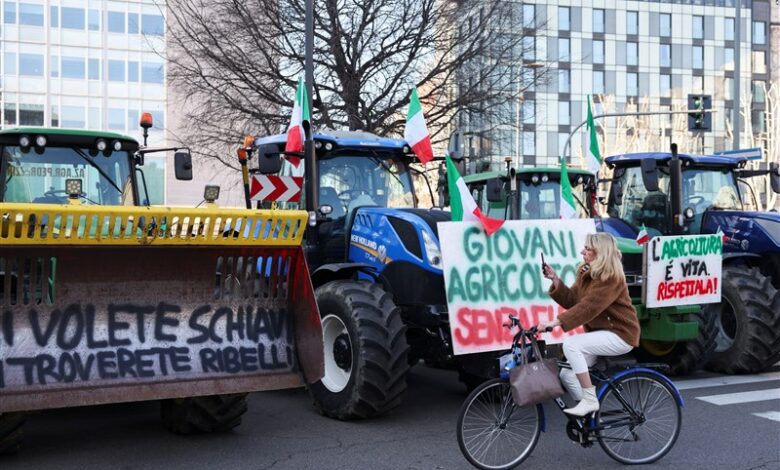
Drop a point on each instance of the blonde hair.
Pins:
(607, 264)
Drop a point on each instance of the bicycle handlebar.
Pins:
(514, 322)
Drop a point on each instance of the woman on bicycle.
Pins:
(599, 301)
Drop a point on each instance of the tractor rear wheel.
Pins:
(683, 357)
(198, 415)
(748, 322)
(365, 351)
(11, 432)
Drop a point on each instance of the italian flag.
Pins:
(642, 237)
(416, 132)
(592, 154)
(462, 204)
(567, 208)
(296, 135)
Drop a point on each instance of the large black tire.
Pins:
(11, 432)
(683, 357)
(748, 322)
(365, 351)
(198, 415)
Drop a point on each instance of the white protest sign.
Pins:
(489, 278)
(683, 270)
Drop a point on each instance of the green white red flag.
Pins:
(462, 203)
(592, 154)
(567, 209)
(416, 132)
(296, 134)
(642, 237)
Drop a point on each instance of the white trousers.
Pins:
(582, 351)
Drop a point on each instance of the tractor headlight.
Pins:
(432, 250)
(24, 141)
(40, 140)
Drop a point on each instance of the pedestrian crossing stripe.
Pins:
(773, 415)
(726, 380)
(742, 397)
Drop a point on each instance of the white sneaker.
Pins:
(589, 403)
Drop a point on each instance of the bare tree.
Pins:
(236, 63)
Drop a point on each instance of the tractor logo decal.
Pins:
(382, 253)
(374, 252)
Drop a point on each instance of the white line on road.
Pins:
(773, 415)
(742, 397)
(726, 380)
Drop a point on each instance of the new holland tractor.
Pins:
(376, 269)
(681, 337)
(683, 194)
(104, 299)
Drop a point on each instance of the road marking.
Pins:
(773, 415)
(726, 380)
(742, 397)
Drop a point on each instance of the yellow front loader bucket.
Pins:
(103, 305)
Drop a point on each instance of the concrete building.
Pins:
(650, 53)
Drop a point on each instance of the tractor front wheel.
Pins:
(11, 432)
(198, 415)
(365, 351)
(683, 357)
(748, 322)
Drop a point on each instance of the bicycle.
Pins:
(639, 407)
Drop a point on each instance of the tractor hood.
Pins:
(747, 231)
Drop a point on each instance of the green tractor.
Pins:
(105, 299)
(682, 337)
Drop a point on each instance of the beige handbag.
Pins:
(534, 382)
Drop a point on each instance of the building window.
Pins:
(72, 18)
(133, 23)
(159, 119)
(632, 22)
(564, 18)
(9, 10)
(73, 117)
(116, 119)
(598, 52)
(10, 63)
(598, 20)
(55, 115)
(9, 114)
(697, 84)
(54, 66)
(665, 84)
(666, 24)
(529, 143)
(564, 113)
(30, 114)
(728, 88)
(528, 110)
(94, 69)
(116, 70)
(54, 17)
(564, 81)
(529, 16)
(95, 121)
(698, 27)
(758, 91)
(666, 55)
(31, 65)
(698, 57)
(563, 50)
(529, 48)
(632, 84)
(728, 58)
(116, 22)
(759, 62)
(30, 14)
(759, 32)
(132, 118)
(598, 81)
(758, 121)
(728, 29)
(94, 20)
(73, 67)
(152, 72)
(152, 25)
(632, 53)
(132, 71)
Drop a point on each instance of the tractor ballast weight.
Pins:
(108, 303)
(699, 194)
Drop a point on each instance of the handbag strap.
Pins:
(537, 351)
(523, 354)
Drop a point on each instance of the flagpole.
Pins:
(310, 165)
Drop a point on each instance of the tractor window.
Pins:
(541, 200)
(708, 189)
(40, 178)
(641, 207)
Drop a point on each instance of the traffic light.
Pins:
(699, 120)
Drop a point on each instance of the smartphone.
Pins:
(543, 263)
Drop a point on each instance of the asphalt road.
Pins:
(282, 431)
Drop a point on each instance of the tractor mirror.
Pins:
(494, 190)
(650, 174)
(269, 159)
(182, 163)
(617, 193)
(774, 176)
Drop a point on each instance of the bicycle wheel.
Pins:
(639, 442)
(493, 432)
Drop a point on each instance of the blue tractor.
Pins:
(677, 194)
(376, 269)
